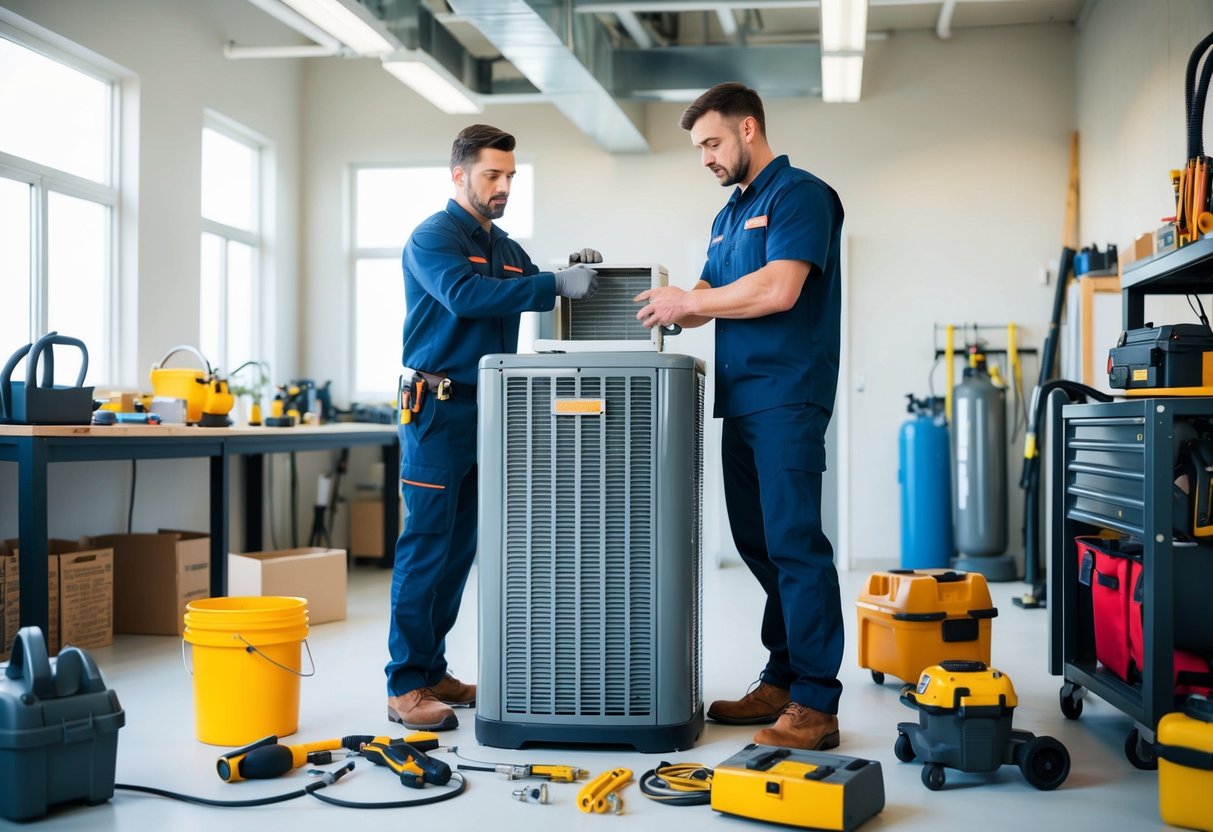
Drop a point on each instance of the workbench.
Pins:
(35, 447)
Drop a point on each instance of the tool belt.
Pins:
(416, 386)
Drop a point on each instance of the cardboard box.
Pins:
(85, 593)
(312, 573)
(155, 576)
(366, 528)
(12, 594)
(10, 599)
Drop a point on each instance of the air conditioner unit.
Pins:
(607, 320)
(591, 470)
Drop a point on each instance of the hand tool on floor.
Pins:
(517, 771)
(267, 758)
(599, 795)
(413, 766)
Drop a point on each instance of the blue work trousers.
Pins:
(438, 545)
(772, 463)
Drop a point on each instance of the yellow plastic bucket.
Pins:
(188, 384)
(246, 666)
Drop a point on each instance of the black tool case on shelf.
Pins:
(1160, 356)
(58, 729)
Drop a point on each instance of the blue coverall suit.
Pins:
(776, 378)
(464, 290)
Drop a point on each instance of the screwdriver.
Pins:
(555, 773)
(266, 758)
(414, 767)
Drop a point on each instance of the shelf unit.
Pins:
(1112, 467)
(1188, 270)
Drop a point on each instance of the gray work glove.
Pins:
(586, 255)
(576, 282)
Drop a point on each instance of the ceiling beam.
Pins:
(681, 73)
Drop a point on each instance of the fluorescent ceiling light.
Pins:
(433, 86)
(844, 25)
(349, 22)
(841, 78)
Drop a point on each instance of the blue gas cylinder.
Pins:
(925, 474)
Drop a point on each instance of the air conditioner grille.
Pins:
(610, 315)
(579, 565)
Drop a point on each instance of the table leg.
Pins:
(220, 523)
(33, 531)
(391, 503)
(254, 504)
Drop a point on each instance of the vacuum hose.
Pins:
(1194, 99)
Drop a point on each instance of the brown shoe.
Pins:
(761, 705)
(420, 710)
(454, 692)
(801, 727)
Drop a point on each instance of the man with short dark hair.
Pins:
(771, 282)
(465, 284)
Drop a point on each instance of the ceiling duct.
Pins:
(566, 56)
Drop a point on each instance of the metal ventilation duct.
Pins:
(556, 51)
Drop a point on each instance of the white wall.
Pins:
(1131, 60)
(175, 51)
(952, 171)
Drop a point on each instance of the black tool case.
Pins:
(1160, 356)
(58, 729)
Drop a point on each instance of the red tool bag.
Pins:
(1192, 673)
(1104, 566)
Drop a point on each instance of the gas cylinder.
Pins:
(979, 453)
(924, 473)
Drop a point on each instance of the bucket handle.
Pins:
(251, 648)
(183, 348)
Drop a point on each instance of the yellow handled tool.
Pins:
(599, 795)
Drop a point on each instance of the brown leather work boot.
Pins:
(761, 705)
(454, 692)
(420, 710)
(801, 727)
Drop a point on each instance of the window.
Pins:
(231, 244)
(58, 202)
(388, 204)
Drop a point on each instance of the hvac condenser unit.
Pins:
(589, 545)
(607, 320)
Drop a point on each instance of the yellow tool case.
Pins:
(910, 619)
(811, 789)
(1185, 765)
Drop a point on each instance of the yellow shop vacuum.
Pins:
(1185, 765)
(964, 710)
(811, 789)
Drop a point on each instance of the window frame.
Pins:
(257, 239)
(44, 180)
(357, 253)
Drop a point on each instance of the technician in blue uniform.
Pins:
(771, 282)
(465, 284)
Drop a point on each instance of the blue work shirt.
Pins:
(787, 357)
(465, 289)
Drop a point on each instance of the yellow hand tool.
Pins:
(266, 758)
(414, 767)
(599, 795)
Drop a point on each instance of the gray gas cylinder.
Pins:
(979, 453)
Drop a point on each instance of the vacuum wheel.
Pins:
(878, 677)
(1140, 753)
(903, 749)
(933, 776)
(1071, 700)
(1045, 763)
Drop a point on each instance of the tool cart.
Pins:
(1112, 466)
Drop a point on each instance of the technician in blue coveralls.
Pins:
(465, 283)
(771, 282)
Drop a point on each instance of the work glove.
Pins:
(576, 282)
(586, 255)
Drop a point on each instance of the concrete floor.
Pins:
(346, 696)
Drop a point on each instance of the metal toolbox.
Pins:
(58, 729)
